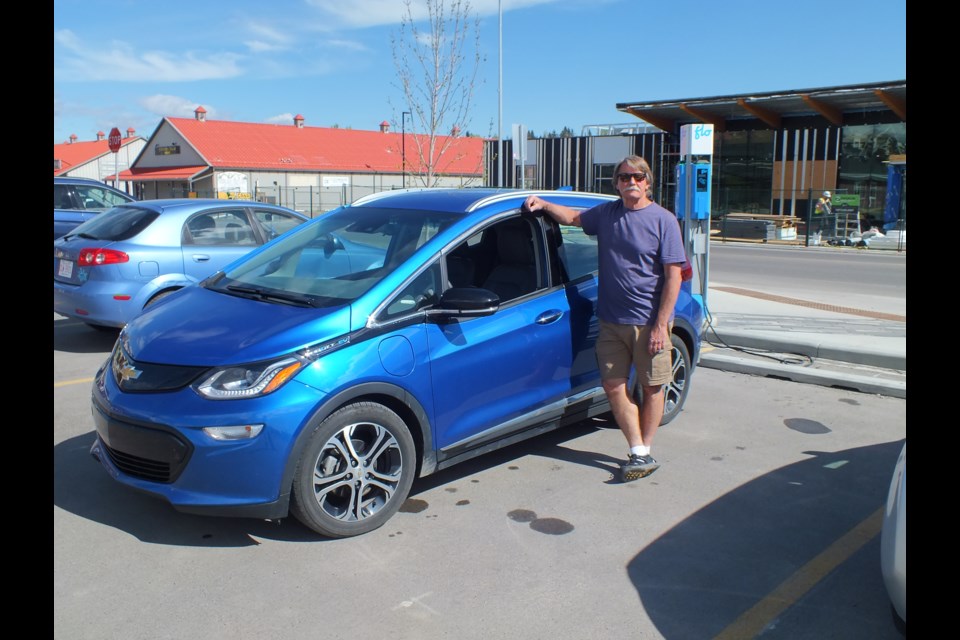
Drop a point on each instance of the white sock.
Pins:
(640, 450)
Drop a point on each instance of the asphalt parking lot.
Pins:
(764, 519)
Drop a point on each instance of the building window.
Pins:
(864, 151)
(743, 169)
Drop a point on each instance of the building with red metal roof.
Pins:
(93, 158)
(312, 169)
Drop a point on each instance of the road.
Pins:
(763, 519)
(863, 279)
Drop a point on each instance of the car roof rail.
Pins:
(372, 197)
(499, 197)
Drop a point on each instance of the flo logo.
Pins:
(701, 131)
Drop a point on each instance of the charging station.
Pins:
(694, 178)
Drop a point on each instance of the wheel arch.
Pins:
(391, 396)
(683, 330)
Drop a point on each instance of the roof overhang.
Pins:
(829, 102)
(153, 174)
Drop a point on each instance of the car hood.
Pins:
(199, 327)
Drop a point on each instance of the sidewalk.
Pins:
(760, 334)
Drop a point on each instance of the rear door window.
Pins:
(223, 227)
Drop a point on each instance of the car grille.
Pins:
(145, 451)
(144, 468)
(143, 377)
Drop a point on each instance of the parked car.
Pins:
(893, 541)
(76, 200)
(382, 341)
(110, 268)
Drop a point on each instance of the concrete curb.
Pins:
(835, 374)
(814, 347)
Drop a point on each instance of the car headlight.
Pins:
(261, 378)
(249, 381)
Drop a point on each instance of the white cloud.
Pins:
(285, 118)
(348, 45)
(175, 106)
(371, 13)
(119, 62)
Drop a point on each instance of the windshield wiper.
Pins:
(268, 295)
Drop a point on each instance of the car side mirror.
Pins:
(468, 302)
(331, 243)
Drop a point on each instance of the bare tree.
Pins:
(437, 73)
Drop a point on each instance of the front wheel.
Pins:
(355, 471)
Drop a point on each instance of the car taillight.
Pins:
(686, 273)
(95, 257)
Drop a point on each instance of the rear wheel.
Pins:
(675, 391)
(355, 471)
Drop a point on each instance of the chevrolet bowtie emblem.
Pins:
(124, 370)
(128, 372)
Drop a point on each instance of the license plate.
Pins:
(66, 269)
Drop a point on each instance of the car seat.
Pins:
(202, 229)
(515, 272)
(234, 233)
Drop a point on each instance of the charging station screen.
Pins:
(702, 179)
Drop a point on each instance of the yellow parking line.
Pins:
(67, 383)
(756, 619)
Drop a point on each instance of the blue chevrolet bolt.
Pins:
(323, 372)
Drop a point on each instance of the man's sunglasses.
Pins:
(639, 177)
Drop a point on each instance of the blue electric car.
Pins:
(323, 372)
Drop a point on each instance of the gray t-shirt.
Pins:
(633, 244)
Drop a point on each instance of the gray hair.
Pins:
(639, 165)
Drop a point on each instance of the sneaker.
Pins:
(637, 467)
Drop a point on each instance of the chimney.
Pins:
(130, 132)
(455, 131)
(384, 127)
(73, 138)
(100, 135)
(298, 121)
(200, 113)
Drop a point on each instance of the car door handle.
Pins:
(200, 257)
(548, 317)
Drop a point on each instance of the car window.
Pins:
(275, 223)
(419, 294)
(504, 258)
(119, 223)
(339, 257)
(98, 197)
(577, 251)
(61, 197)
(223, 227)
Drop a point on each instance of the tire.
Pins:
(104, 328)
(157, 298)
(329, 496)
(675, 391)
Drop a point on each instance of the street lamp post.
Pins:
(403, 144)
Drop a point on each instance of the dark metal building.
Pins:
(774, 152)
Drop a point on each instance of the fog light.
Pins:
(242, 432)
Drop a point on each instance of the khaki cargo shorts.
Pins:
(621, 345)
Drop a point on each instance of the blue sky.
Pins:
(566, 63)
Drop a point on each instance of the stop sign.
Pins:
(114, 140)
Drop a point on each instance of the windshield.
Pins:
(334, 259)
